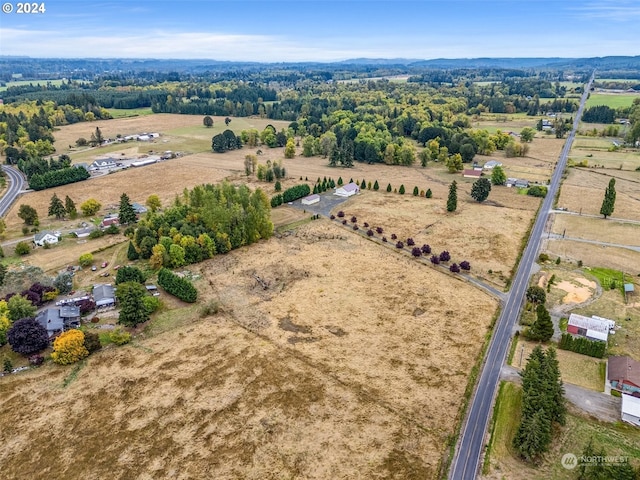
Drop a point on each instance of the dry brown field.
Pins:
(338, 370)
(588, 228)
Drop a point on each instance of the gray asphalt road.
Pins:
(16, 183)
(471, 441)
(602, 406)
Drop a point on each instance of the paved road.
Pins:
(602, 406)
(16, 184)
(471, 441)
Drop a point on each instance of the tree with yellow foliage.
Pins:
(69, 347)
(5, 323)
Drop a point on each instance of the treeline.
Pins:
(291, 194)
(582, 345)
(599, 114)
(203, 222)
(177, 286)
(543, 404)
(55, 178)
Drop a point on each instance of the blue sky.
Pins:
(274, 31)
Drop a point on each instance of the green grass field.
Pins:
(17, 83)
(129, 112)
(613, 100)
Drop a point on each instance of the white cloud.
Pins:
(616, 10)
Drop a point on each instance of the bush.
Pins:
(69, 347)
(119, 336)
(394, 236)
(22, 248)
(410, 242)
(464, 265)
(444, 256)
(369, 233)
(294, 193)
(454, 268)
(435, 259)
(426, 249)
(210, 308)
(354, 219)
(276, 201)
(332, 217)
(36, 360)
(355, 227)
(151, 304)
(384, 239)
(399, 245)
(379, 230)
(429, 193)
(366, 225)
(344, 222)
(543, 257)
(129, 274)
(340, 214)
(537, 191)
(401, 190)
(85, 259)
(416, 252)
(177, 286)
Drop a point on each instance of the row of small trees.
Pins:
(444, 256)
(582, 345)
(290, 194)
(55, 178)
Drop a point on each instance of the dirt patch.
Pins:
(575, 294)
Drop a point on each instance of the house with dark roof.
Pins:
(104, 296)
(57, 320)
(623, 375)
(109, 220)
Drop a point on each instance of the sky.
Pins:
(333, 30)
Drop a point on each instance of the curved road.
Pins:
(471, 442)
(16, 184)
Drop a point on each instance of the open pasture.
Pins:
(340, 369)
(613, 100)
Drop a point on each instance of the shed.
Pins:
(311, 199)
(631, 410)
(623, 374)
(83, 232)
(522, 184)
(491, 164)
(468, 173)
(347, 190)
(110, 220)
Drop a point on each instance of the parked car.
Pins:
(105, 274)
(116, 267)
(104, 264)
(94, 268)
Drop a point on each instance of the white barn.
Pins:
(311, 199)
(594, 328)
(347, 190)
(631, 410)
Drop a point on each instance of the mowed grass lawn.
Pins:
(616, 439)
(613, 100)
(17, 83)
(129, 112)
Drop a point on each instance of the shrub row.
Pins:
(55, 178)
(177, 286)
(582, 345)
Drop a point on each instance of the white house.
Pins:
(631, 409)
(47, 237)
(103, 164)
(347, 190)
(311, 199)
(594, 328)
(491, 164)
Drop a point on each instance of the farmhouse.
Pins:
(623, 374)
(472, 173)
(311, 199)
(103, 164)
(631, 410)
(491, 164)
(347, 190)
(594, 328)
(46, 237)
(57, 320)
(83, 232)
(104, 295)
(109, 220)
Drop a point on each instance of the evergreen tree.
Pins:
(452, 201)
(416, 192)
(533, 436)
(70, 207)
(132, 253)
(480, 189)
(376, 187)
(429, 193)
(126, 213)
(542, 328)
(388, 187)
(56, 207)
(609, 201)
(556, 404)
(130, 296)
(363, 185)
(401, 191)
